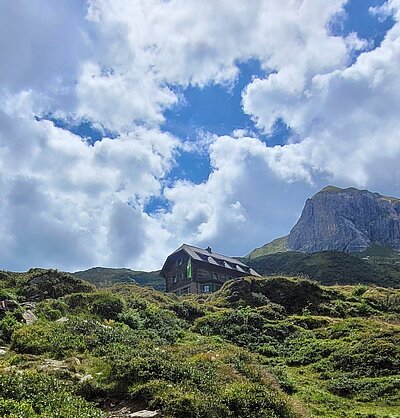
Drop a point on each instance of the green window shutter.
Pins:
(189, 269)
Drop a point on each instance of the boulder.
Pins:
(145, 413)
(29, 317)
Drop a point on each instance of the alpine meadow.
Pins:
(200, 209)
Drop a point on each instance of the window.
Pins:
(175, 279)
(206, 288)
(215, 276)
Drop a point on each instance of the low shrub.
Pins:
(31, 395)
(10, 323)
(245, 327)
(108, 305)
(366, 389)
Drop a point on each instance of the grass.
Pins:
(332, 267)
(279, 347)
(105, 277)
(276, 246)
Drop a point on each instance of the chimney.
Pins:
(208, 249)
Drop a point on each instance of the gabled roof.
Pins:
(207, 256)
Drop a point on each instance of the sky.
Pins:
(128, 127)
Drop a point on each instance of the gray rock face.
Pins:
(348, 220)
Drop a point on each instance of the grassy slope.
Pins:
(272, 347)
(103, 277)
(332, 267)
(276, 246)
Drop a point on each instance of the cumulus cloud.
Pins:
(62, 196)
(242, 202)
(347, 120)
(119, 65)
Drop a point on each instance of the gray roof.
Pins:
(206, 256)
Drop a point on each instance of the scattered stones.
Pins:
(8, 305)
(123, 409)
(52, 365)
(29, 317)
(86, 379)
(145, 413)
(72, 362)
(28, 305)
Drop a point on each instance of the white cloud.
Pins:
(241, 204)
(117, 63)
(62, 197)
(346, 119)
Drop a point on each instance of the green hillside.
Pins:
(278, 245)
(274, 347)
(331, 267)
(103, 277)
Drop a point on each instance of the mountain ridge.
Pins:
(309, 233)
(347, 220)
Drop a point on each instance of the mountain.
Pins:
(347, 220)
(103, 277)
(343, 236)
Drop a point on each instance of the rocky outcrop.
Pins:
(348, 220)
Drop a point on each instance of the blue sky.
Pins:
(211, 120)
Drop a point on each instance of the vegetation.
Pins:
(278, 245)
(333, 267)
(260, 347)
(104, 277)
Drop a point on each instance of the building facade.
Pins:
(191, 269)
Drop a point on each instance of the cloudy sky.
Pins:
(128, 127)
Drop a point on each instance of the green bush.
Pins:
(42, 337)
(367, 389)
(108, 305)
(245, 327)
(10, 323)
(9, 408)
(51, 309)
(188, 310)
(76, 335)
(180, 401)
(252, 400)
(31, 394)
(307, 350)
(7, 294)
(370, 358)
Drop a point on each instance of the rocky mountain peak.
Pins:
(348, 220)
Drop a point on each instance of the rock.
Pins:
(8, 305)
(86, 379)
(145, 413)
(3, 351)
(348, 220)
(63, 319)
(72, 363)
(29, 317)
(50, 365)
